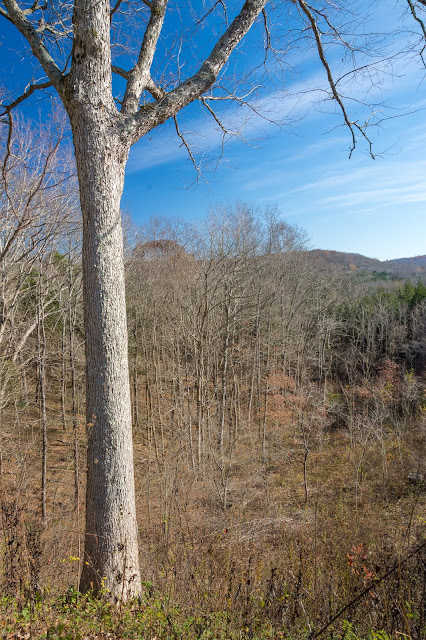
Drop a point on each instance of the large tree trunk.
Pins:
(102, 137)
(111, 549)
(111, 543)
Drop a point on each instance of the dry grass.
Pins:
(270, 558)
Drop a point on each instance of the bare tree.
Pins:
(102, 137)
(78, 45)
(37, 208)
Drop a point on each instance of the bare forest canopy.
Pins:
(247, 426)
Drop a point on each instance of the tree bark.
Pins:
(111, 550)
(41, 372)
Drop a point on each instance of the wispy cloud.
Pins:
(154, 150)
(266, 116)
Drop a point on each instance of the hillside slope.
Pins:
(414, 267)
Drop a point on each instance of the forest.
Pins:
(278, 410)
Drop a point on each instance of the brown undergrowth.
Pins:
(307, 529)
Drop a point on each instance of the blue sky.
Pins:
(374, 207)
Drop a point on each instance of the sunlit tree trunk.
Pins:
(102, 137)
(111, 532)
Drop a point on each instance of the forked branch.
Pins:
(139, 76)
(192, 88)
(7, 108)
(352, 125)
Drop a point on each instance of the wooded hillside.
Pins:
(278, 409)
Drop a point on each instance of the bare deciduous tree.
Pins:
(77, 45)
(37, 209)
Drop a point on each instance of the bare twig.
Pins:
(187, 147)
(218, 122)
(352, 125)
(16, 15)
(201, 20)
(27, 93)
(114, 9)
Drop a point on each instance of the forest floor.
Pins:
(299, 539)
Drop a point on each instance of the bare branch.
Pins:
(192, 88)
(330, 25)
(47, 28)
(201, 20)
(35, 7)
(186, 145)
(5, 15)
(27, 93)
(156, 91)
(267, 32)
(7, 157)
(114, 9)
(141, 72)
(421, 23)
(231, 96)
(352, 126)
(365, 66)
(243, 101)
(119, 71)
(16, 15)
(218, 122)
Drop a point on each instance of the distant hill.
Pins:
(414, 267)
(347, 259)
(416, 262)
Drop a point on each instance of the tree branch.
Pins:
(157, 92)
(34, 7)
(141, 72)
(114, 9)
(6, 161)
(16, 15)
(150, 116)
(352, 126)
(5, 15)
(397, 566)
(187, 147)
(421, 23)
(218, 122)
(120, 72)
(27, 93)
(200, 20)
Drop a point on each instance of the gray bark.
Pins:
(111, 543)
(111, 532)
(41, 372)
